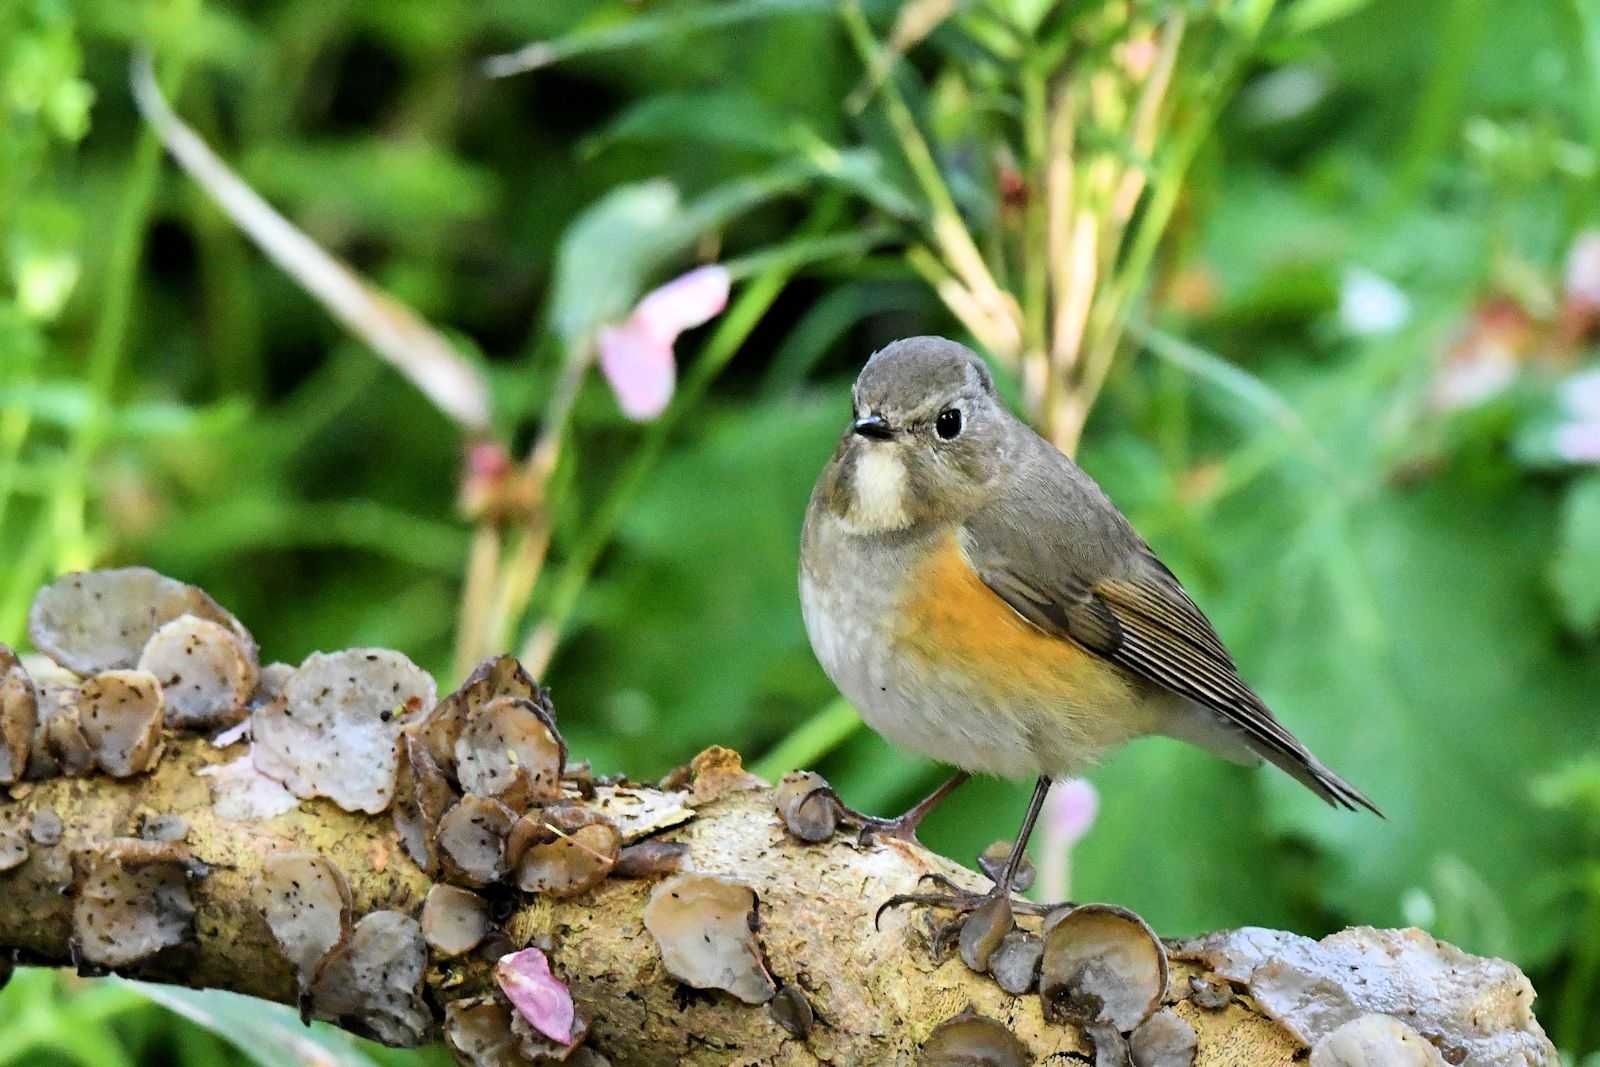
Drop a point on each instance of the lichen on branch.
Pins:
(415, 869)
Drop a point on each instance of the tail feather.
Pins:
(1312, 773)
(1201, 726)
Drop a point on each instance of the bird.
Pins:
(982, 602)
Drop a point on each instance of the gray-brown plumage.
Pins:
(981, 600)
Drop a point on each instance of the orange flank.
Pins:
(955, 621)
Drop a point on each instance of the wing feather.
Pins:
(1138, 616)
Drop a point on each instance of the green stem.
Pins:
(1113, 306)
(70, 505)
(1440, 102)
(1035, 246)
(105, 354)
(733, 330)
(999, 328)
(915, 147)
(825, 730)
(1577, 993)
(736, 326)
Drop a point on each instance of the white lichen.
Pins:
(13, 848)
(454, 920)
(422, 795)
(970, 1039)
(373, 985)
(1164, 1040)
(1375, 1041)
(471, 841)
(306, 903)
(1101, 964)
(334, 731)
(1477, 1011)
(242, 793)
(499, 676)
(508, 750)
(563, 849)
(120, 714)
(206, 672)
(132, 901)
(59, 746)
(19, 714)
(95, 621)
(478, 1031)
(705, 928)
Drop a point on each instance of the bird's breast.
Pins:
(940, 665)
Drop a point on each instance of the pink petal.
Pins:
(1578, 442)
(683, 303)
(1069, 811)
(1583, 270)
(539, 996)
(640, 368)
(1580, 395)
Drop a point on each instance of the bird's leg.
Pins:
(961, 900)
(904, 826)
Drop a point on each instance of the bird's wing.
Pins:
(1072, 566)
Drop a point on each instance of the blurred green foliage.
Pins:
(1372, 456)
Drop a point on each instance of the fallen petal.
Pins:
(539, 996)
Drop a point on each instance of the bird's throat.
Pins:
(878, 497)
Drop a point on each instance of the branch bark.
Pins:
(1252, 997)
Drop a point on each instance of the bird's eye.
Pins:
(948, 424)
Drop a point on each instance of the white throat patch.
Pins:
(880, 492)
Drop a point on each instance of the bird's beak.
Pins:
(874, 426)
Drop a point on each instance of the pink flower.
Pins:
(1580, 396)
(637, 355)
(1069, 812)
(539, 996)
(1578, 442)
(1582, 282)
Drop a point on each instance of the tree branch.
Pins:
(876, 994)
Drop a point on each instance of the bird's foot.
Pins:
(873, 827)
(961, 901)
(902, 827)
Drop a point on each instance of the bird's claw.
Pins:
(961, 901)
(873, 828)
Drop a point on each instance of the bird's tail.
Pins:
(1312, 773)
(1201, 726)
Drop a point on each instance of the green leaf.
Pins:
(406, 189)
(1409, 647)
(69, 404)
(695, 622)
(611, 250)
(268, 1034)
(648, 29)
(718, 117)
(1308, 15)
(1575, 570)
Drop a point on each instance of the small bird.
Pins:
(982, 602)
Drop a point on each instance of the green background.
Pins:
(1416, 591)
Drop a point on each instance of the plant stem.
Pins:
(70, 504)
(1003, 327)
(735, 327)
(1114, 304)
(823, 731)
(1036, 235)
(483, 563)
(777, 267)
